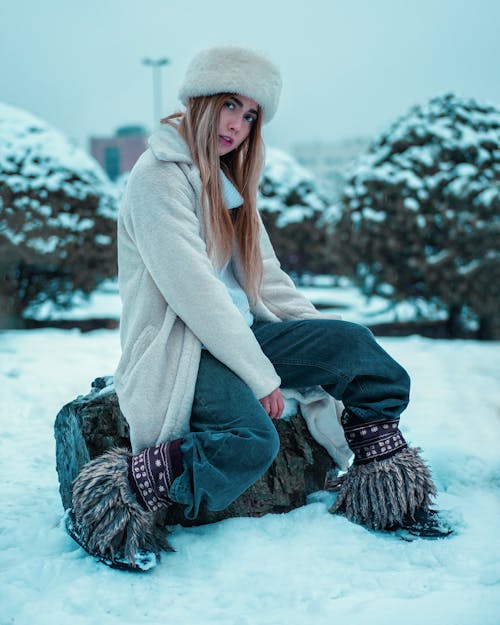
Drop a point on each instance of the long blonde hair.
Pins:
(243, 166)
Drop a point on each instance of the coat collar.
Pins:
(168, 145)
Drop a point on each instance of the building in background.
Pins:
(118, 154)
(329, 162)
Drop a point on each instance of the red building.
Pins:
(118, 154)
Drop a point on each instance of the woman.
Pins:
(212, 327)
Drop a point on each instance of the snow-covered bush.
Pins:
(292, 211)
(57, 217)
(421, 212)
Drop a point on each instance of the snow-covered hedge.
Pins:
(292, 211)
(57, 217)
(421, 212)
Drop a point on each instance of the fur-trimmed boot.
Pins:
(388, 485)
(116, 500)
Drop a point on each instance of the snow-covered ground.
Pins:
(306, 566)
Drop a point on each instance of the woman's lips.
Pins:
(227, 141)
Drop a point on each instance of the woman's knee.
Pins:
(355, 333)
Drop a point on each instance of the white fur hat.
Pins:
(233, 69)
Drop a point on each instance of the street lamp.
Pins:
(156, 64)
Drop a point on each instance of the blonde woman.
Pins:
(212, 328)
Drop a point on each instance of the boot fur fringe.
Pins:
(383, 494)
(109, 519)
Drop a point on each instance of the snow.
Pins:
(434, 259)
(42, 156)
(366, 168)
(421, 221)
(373, 215)
(281, 167)
(343, 298)
(411, 203)
(102, 303)
(487, 196)
(306, 566)
(446, 122)
(44, 245)
(469, 267)
(348, 301)
(294, 215)
(288, 189)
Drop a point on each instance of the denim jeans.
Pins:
(232, 441)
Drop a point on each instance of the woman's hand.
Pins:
(273, 404)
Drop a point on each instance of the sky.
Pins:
(350, 68)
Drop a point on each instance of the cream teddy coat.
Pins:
(174, 302)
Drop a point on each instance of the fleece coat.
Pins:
(174, 302)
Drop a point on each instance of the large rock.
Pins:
(90, 424)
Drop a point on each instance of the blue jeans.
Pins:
(233, 441)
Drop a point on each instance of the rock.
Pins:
(90, 424)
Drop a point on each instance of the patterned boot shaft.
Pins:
(152, 472)
(374, 440)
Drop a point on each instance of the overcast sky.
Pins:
(349, 67)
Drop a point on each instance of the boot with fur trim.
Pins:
(388, 483)
(115, 500)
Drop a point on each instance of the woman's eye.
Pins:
(250, 119)
(230, 105)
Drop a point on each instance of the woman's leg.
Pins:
(342, 357)
(232, 441)
(388, 485)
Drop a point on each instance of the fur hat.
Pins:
(233, 69)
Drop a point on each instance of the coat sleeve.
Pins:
(161, 221)
(278, 292)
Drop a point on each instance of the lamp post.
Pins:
(156, 64)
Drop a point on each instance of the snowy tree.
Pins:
(421, 212)
(57, 217)
(292, 211)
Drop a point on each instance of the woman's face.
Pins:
(236, 118)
